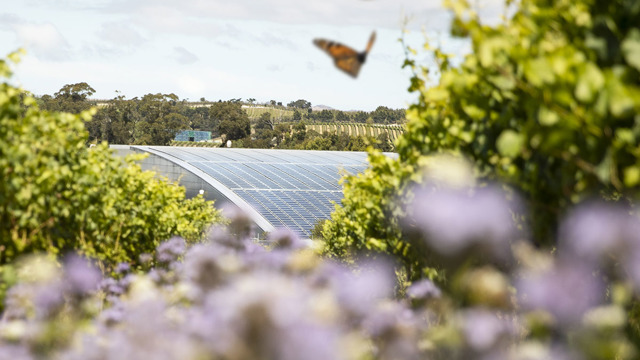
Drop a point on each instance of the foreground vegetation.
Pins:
(57, 195)
(506, 228)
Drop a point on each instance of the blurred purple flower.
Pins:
(566, 291)
(48, 298)
(123, 268)
(113, 315)
(360, 291)
(145, 258)
(170, 250)
(454, 220)
(309, 342)
(80, 276)
(15, 352)
(484, 331)
(201, 267)
(241, 225)
(283, 238)
(423, 289)
(111, 286)
(600, 232)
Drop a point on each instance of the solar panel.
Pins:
(292, 188)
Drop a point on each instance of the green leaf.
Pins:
(631, 48)
(632, 176)
(510, 143)
(590, 83)
(547, 117)
(538, 71)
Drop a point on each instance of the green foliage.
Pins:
(58, 195)
(368, 218)
(546, 102)
(300, 104)
(70, 98)
(233, 121)
(154, 119)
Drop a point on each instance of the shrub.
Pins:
(56, 194)
(546, 102)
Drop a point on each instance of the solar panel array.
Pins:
(290, 188)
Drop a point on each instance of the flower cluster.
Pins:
(231, 298)
(226, 298)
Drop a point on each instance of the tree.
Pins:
(299, 132)
(325, 116)
(265, 122)
(265, 129)
(70, 98)
(75, 92)
(300, 104)
(341, 116)
(233, 122)
(296, 115)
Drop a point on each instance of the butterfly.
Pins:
(344, 57)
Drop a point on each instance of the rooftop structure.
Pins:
(276, 188)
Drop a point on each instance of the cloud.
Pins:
(190, 85)
(275, 67)
(121, 34)
(44, 39)
(184, 56)
(378, 13)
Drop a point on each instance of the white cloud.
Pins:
(44, 39)
(377, 13)
(120, 34)
(190, 85)
(184, 56)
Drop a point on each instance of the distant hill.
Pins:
(321, 107)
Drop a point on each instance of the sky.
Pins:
(224, 49)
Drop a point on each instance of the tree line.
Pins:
(155, 119)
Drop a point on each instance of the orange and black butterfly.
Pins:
(345, 58)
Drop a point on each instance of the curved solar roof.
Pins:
(290, 188)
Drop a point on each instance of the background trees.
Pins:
(232, 122)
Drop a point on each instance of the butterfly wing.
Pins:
(344, 57)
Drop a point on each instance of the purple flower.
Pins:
(456, 220)
(123, 268)
(111, 286)
(309, 342)
(360, 291)
(283, 238)
(241, 226)
(423, 290)
(566, 291)
(600, 232)
(113, 315)
(48, 298)
(202, 268)
(483, 330)
(80, 276)
(170, 250)
(145, 258)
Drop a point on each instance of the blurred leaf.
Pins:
(631, 48)
(509, 143)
